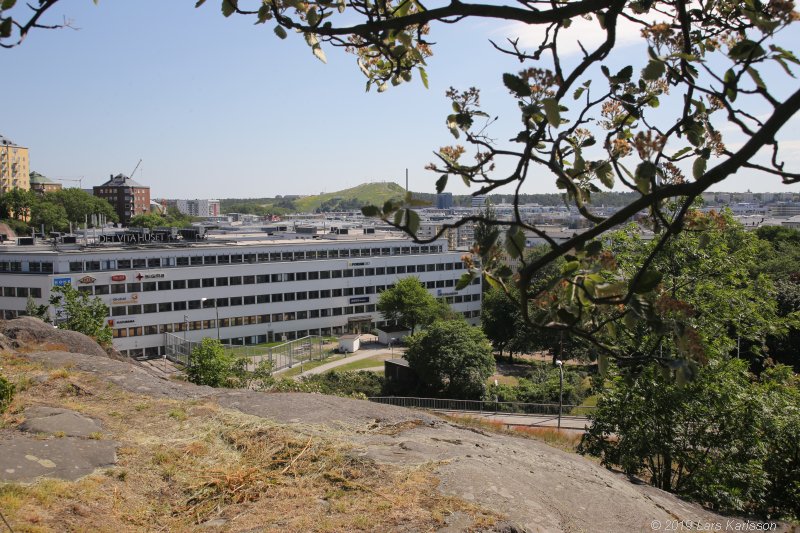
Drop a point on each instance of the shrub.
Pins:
(6, 393)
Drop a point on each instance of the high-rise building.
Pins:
(444, 200)
(478, 201)
(128, 197)
(198, 208)
(15, 166)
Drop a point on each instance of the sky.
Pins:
(221, 108)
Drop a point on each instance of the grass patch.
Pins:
(590, 402)
(563, 439)
(184, 462)
(307, 365)
(370, 362)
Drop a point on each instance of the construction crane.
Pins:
(135, 169)
(79, 180)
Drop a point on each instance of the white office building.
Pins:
(244, 291)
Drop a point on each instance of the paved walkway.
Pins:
(371, 350)
(574, 423)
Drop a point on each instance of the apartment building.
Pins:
(128, 197)
(242, 291)
(15, 166)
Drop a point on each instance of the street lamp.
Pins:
(216, 311)
(560, 365)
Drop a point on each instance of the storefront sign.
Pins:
(86, 280)
(129, 299)
(60, 282)
(353, 264)
(119, 277)
(359, 300)
(150, 275)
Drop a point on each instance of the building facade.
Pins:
(15, 166)
(128, 197)
(42, 184)
(198, 208)
(246, 292)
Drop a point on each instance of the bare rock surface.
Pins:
(25, 458)
(32, 331)
(536, 488)
(54, 420)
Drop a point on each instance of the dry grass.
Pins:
(182, 463)
(563, 439)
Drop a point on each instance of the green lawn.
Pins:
(590, 401)
(375, 360)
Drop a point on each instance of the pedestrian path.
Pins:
(370, 351)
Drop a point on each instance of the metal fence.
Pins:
(285, 355)
(483, 406)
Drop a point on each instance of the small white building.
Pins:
(392, 334)
(349, 343)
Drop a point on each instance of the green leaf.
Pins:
(699, 167)
(441, 183)
(602, 364)
(569, 267)
(389, 207)
(423, 76)
(7, 4)
(645, 172)
(6, 27)
(578, 92)
(551, 111)
(648, 281)
(609, 290)
(515, 242)
(682, 151)
(398, 218)
(605, 174)
(464, 280)
(228, 7)
(654, 70)
(264, 13)
(624, 75)
(370, 211)
(200, 3)
(756, 78)
(280, 32)
(516, 85)
(412, 221)
(746, 49)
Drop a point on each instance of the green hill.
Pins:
(366, 193)
(348, 199)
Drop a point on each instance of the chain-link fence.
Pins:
(284, 355)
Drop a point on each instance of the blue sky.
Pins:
(221, 108)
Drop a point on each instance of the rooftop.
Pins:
(121, 180)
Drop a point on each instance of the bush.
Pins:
(209, 364)
(351, 383)
(542, 386)
(6, 393)
(723, 439)
(77, 311)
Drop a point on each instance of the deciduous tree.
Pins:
(452, 359)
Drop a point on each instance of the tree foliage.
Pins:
(723, 439)
(452, 359)
(77, 311)
(708, 95)
(409, 303)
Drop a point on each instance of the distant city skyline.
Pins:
(219, 108)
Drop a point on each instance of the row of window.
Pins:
(22, 292)
(234, 301)
(121, 288)
(238, 259)
(197, 325)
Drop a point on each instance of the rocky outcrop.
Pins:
(31, 332)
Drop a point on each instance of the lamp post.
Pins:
(216, 312)
(560, 365)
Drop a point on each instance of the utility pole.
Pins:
(560, 364)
